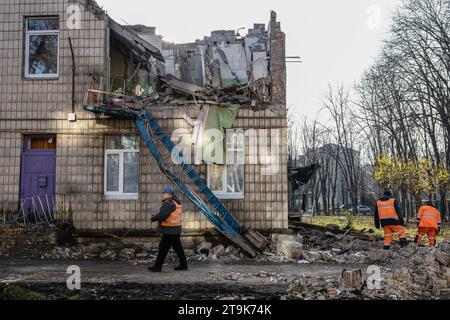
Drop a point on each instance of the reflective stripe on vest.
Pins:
(386, 209)
(176, 217)
(429, 217)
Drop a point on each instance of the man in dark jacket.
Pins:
(170, 218)
(389, 216)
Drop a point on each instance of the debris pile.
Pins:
(409, 273)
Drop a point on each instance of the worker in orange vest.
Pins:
(428, 223)
(170, 218)
(389, 216)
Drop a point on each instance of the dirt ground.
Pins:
(46, 279)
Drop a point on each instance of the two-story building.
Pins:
(58, 161)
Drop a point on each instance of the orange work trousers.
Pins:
(429, 232)
(391, 231)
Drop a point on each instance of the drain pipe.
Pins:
(72, 116)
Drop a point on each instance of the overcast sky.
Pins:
(336, 39)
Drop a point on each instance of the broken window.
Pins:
(122, 167)
(227, 181)
(42, 47)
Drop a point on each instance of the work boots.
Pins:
(403, 243)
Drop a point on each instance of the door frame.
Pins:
(25, 151)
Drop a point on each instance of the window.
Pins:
(42, 48)
(41, 143)
(227, 181)
(122, 168)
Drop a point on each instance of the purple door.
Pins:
(38, 173)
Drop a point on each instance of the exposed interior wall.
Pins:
(118, 63)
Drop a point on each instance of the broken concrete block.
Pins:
(204, 247)
(142, 255)
(351, 280)
(291, 249)
(378, 255)
(278, 239)
(230, 250)
(127, 253)
(218, 251)
(429, 260)
(312, 256)
(256, 239)
(442, 258)
(444, 246)
(332, 291)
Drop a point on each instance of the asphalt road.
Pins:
(104, 280)
(20, 270)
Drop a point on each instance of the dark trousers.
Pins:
(168, 241)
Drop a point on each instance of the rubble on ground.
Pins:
(407, 273)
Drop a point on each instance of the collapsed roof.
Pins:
(134, 42)
(225, 67)
(126, 36)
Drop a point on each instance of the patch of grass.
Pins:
(366, 222)
(15, 292)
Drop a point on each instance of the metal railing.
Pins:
(36, 210)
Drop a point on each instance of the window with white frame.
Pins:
(122, 167)
(227, 181)
(42, 47)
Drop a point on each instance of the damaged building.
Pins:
(71, 81)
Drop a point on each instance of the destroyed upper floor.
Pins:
(47, 63)
(225, 67)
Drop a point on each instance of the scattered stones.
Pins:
(204, 247)
(444, 246)
(277, 239)
(442, 258)
(218, 251)
(127, 253)
(142, 255)
(378, 255)
(351, 280)
(230, 250)
(263, 274)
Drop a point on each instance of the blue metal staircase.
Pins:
(153, 135)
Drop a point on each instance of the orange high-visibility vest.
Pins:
(429, 217)
(176, 217)
(386, 209)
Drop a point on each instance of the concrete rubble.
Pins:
(406, 273)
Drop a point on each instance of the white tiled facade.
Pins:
(42, 106)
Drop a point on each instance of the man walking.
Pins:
(428, 223)
(390, 217)
(170, 218)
